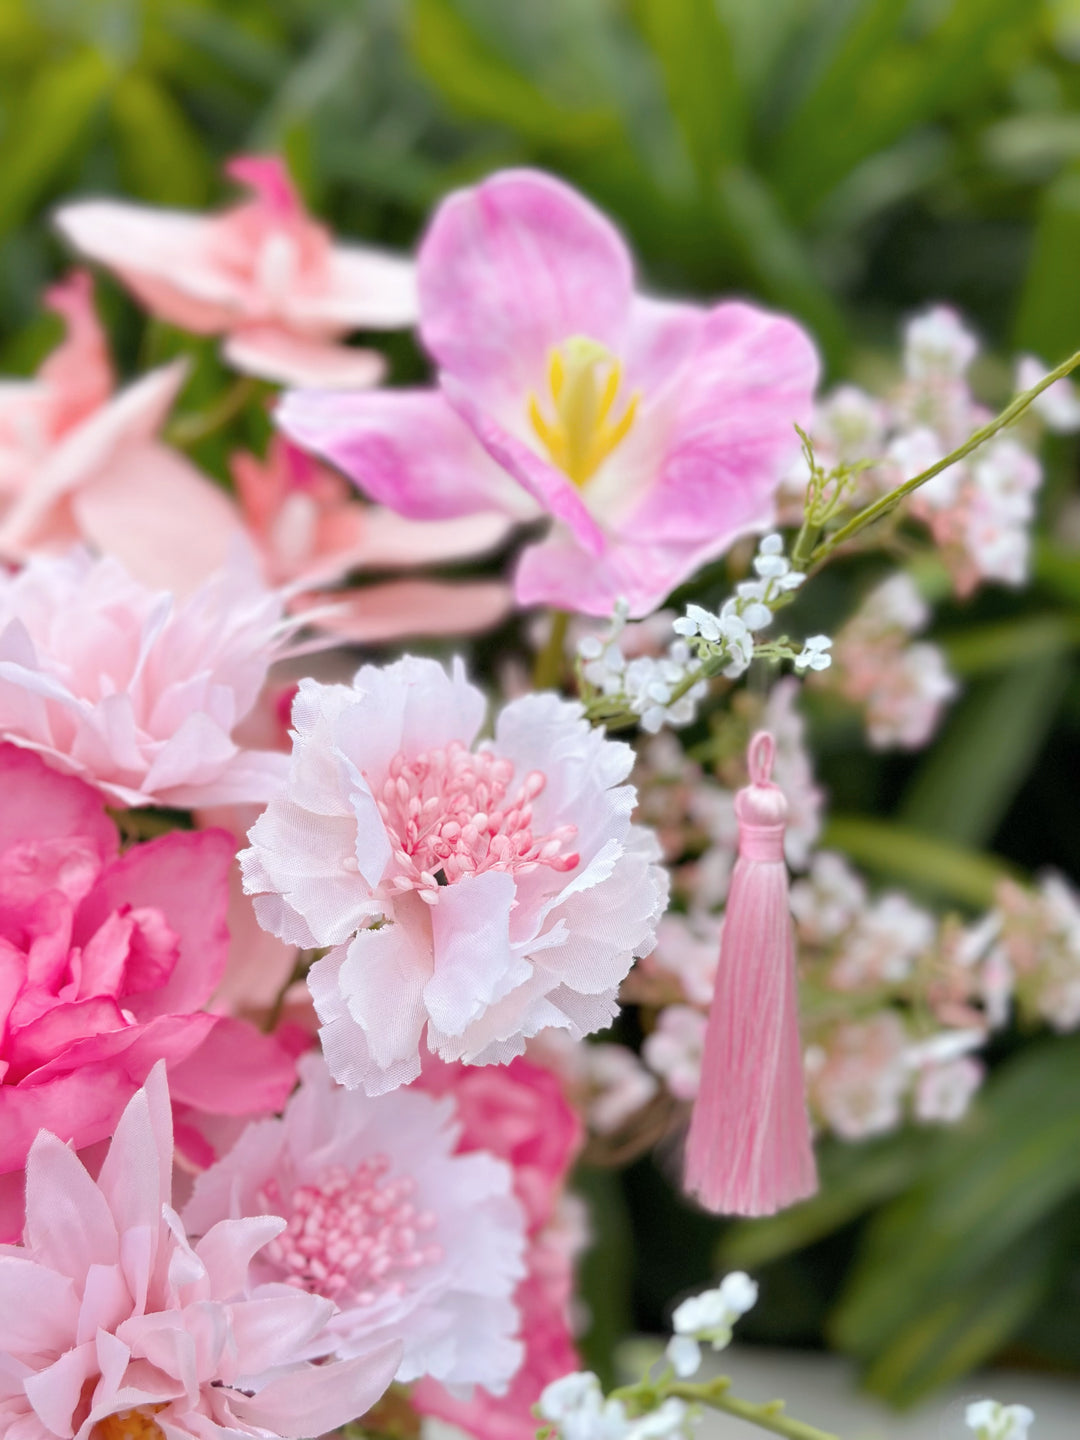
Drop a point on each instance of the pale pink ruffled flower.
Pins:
(687, 951)
(652, 433)
(106, 967)
(80, 463)
(132, 691)
(472, 896)
(519, 1113)
(412, 1242)
(311, 530)
(263, 273)
(112, 1323)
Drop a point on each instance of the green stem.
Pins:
(769, 1416)
(880, 507)
(548, 670)
(188, 430)
(649, 1395)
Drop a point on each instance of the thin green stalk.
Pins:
(717, 1395)
(548, 670)
(190, 429)
(881, 507)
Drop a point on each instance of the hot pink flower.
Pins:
(410, 1240)
(112, 1325)
(133, 692)
(77, 462)
(105, 965)
(310, 528)
(477, 896)
(519, 1113)
(263, 273)
(653, 433)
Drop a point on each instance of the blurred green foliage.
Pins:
(847, 160)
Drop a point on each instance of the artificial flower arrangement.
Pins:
(302, 957)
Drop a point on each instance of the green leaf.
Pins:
(1048, 320)
(693, 46)
(164, 160)
(895, 69)
(854, 1179)
(481, 85)
(916, 857)
(604, 1274)
(50, 125)
(969, 1325)
(1009, 1166)
(980, 649)
(990, 741)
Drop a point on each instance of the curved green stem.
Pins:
(881, 507)
(769, 1415)
(190, 429)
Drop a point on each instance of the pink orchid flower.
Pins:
(653, 433)
(264, 274)
(311, 530)
(78, 462)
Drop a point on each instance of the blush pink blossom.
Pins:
(113, 1325)
(78, 462)
(519, 1113)
(472, 896)
(652, 433)
(105, 965)
(134, 692)
(412, 1241)
(311, 530)
(263, 273)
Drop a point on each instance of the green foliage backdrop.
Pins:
(847, 160)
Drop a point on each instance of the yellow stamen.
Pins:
(130, 1425)
(583, 381)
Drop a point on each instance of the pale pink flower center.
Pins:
(352, 1235)
(449, 813)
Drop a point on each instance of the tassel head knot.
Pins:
(761, 807)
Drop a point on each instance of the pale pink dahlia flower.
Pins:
(132, 691)
(262, 273)
(107, 961)
(473, 895)
(410, 1240)
(113, 1325)
(652, 433)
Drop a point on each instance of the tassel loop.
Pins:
(749, 1149)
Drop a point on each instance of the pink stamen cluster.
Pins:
(355, 1233)
(450, 812)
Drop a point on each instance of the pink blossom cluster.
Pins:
(978, 511)
(901, 687)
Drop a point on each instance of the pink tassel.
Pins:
(749, 1150)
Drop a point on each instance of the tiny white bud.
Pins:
(685, 1355)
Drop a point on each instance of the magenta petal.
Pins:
(405, 448)
(732, 433)
(237, 1070)
(185, 876)
(512, 268)
(548, 486)
(40, 804)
